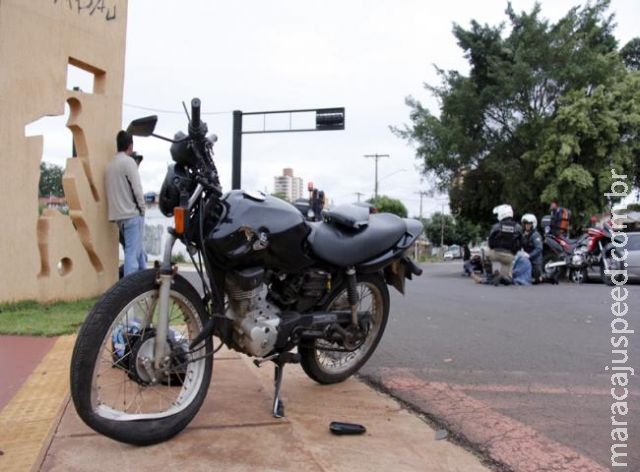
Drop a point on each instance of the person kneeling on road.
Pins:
(521, 273)
(505, 240)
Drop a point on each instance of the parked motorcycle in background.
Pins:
(594, 250)
(276, 287)
(576, 258)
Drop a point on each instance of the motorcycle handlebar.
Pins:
(195, 114)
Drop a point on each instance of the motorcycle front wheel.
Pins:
(330, 362)
(611, 264)
(115, 386)
(579, 276)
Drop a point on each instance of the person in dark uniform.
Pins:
(532, 245)
(505, 240)
(467, 267)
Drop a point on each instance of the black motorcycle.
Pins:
(276, 287)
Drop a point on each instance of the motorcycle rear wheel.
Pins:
(329, 363)
(114, 387)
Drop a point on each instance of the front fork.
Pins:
(603, 257)
(165, 278)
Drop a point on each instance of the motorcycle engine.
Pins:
(255, 321)
(579, 257)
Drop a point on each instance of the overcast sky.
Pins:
(255, 55)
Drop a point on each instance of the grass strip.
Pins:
(31, 318)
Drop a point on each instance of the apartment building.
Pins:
(288, 185)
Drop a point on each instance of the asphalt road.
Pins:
(516, 373)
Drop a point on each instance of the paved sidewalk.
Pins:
(234, 430)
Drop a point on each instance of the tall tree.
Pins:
(440, 228)
(631, 54)
(50, 180)
(546, 112)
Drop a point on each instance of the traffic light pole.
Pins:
(236, 154)
(326, 119)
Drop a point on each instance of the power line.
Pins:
(173, 112)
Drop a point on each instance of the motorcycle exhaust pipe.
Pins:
(553, 265)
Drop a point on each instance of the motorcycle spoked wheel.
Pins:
(579, 276)
(140, 407)
(329, 363)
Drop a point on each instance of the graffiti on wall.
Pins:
(91, 7)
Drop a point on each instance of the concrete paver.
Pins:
(234, 430)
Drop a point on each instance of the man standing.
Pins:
(505, 240)
(126, 202)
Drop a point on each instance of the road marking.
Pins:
(504, 439)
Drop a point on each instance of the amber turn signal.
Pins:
(179, 214)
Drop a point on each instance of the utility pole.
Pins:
(376, 157)
(359, 194)
(422, 193)
(442, 230)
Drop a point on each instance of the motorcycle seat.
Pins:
(349, 216)
(342, 246)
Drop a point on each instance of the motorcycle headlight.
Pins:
(176, 181)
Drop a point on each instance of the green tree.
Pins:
(439, 228)
(591, 135)
(546, 111)
(631, 54)
(50, 180)
(386, 204)
(452, 230)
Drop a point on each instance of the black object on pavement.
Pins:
(338, 427)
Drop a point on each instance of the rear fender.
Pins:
(399, 270)
(394, 263)
(397, 252)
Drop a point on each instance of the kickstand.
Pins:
(279, 360)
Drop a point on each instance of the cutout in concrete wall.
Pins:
(65, 266)
(58, 139)
(79, 79)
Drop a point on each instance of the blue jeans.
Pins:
(133, 231)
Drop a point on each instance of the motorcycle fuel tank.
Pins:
(258, 230)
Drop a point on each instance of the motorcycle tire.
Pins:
(329, 363)
(114, 386)
(579, 276)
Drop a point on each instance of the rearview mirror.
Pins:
(143, 126)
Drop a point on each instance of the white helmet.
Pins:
(503, 211)
(529, 218)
